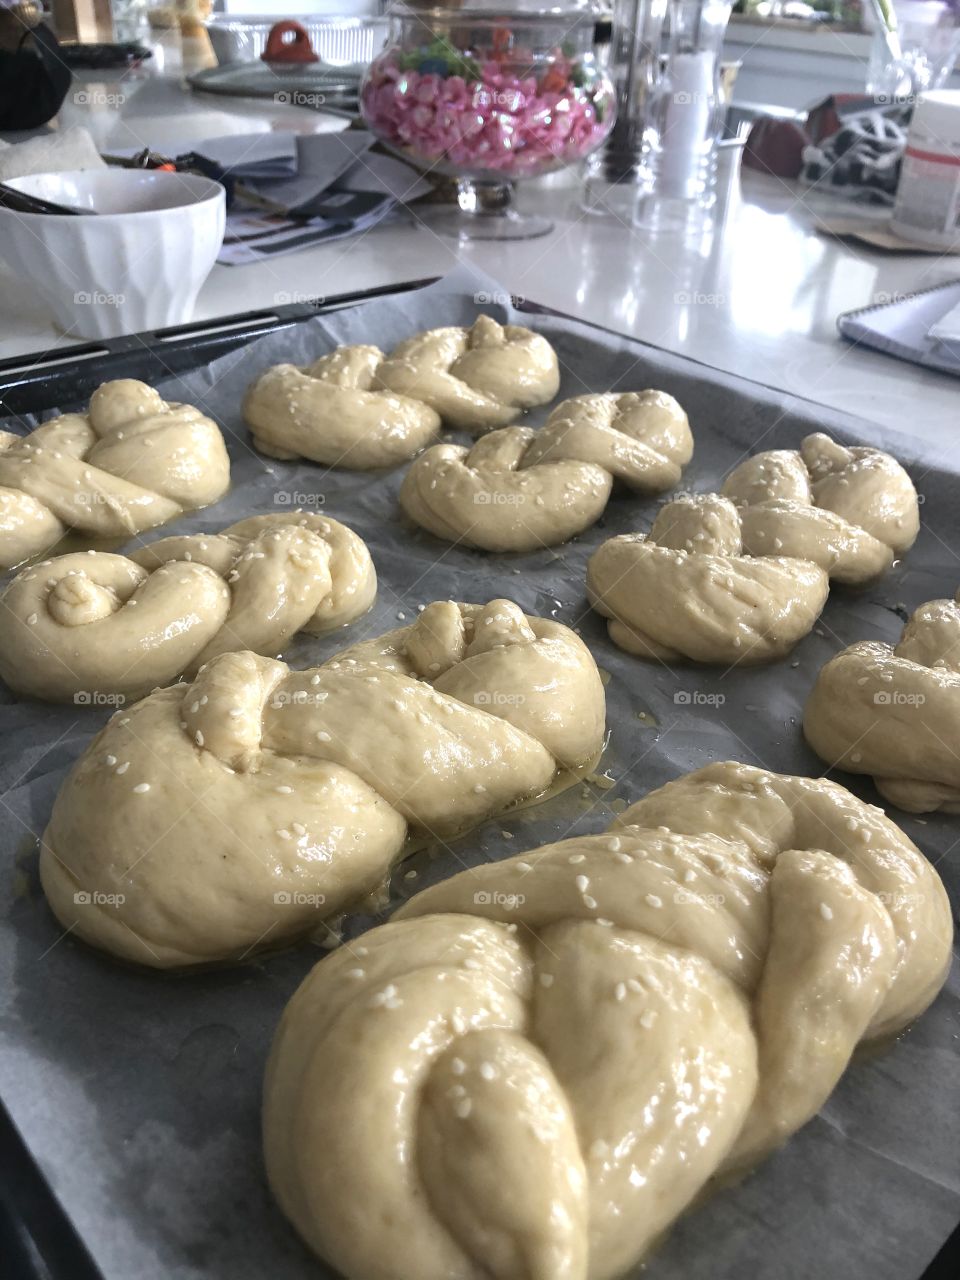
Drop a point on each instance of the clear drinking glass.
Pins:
(686, 119)
(616, 171)
(916, 44)
(489, 96)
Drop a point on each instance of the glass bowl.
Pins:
(487, 97)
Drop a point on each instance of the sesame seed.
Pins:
(284, 790)
(582, 883)
(463, 1108)
(825, 911)
(458, 1066)
(141, 788)
(653, 901)
(124, 767)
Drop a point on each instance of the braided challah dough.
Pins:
(687, 591)
(543, 1061)
(518, 489)
(131, 462)
(849, 510)
(357, 407)
(894, 712)
(237, 811)
(96, 623)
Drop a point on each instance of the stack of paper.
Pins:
(291, 191)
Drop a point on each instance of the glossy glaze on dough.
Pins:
(687, 591)
(358, 407)
(541, 1062)
(851, 510)
(238, 811)
(92, 623)
(739, 577)
(894, 711)
(519, 489)
(131, 462)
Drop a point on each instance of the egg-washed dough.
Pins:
(519, 489)
(131, 462)
(543, 1061)
(358, 407)
(741, 576)
(851, 510)
(237, 812)
(89, 624)
(894, 711)
(686, 591)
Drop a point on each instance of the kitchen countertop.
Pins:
(758, 294)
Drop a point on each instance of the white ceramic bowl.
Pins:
(138, 265)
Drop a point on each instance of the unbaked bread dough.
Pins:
(687, 591)
(741, 576)
(519, 489)
(131, 462)
(851, 510)
(357, 407)
(543, 1061)
(89, 624)
(238, 811)
(894, 711)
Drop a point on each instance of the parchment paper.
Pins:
(139, 1093)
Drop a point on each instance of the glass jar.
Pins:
(687, 116)
(916, 44)
(488, 96)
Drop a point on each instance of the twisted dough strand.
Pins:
(894, 711)
(541, 1062)
(357, 407)
(130, 463)
(687, 591)
(849, 510)
(238, 811)
(124, 625)
(518, 489)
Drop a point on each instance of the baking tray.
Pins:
(167, 1181)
